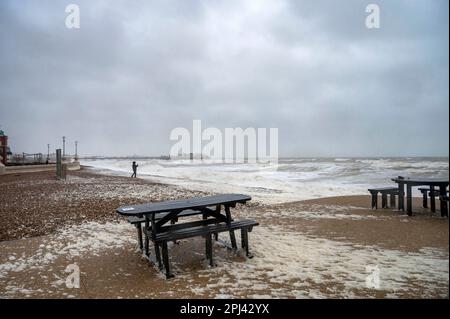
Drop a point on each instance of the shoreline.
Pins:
(80, 195)
(317, 248)
(255, 197)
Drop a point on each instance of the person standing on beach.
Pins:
(134, 166)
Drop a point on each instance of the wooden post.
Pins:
(139, 233)
(146, 243)
(58, 164)
(409, 199)
(229, 220)
(424, 198)
(216, 235)
(209, 252)
(443, 194)
(383, 200)
(432, 199)
(158, 255)
(374, 199)
(155, 244)
(392, 200)
(244, 235)
(165, 254)
(401, 196)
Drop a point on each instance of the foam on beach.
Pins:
(287, 264)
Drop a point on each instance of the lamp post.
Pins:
(48, 152)
(76, 150)
(64, 147)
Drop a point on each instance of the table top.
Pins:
(421, 180)
(183, 204)
(382, 188)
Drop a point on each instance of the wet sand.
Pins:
(321, 248)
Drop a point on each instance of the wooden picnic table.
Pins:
(157, 215)
(183, 204)
(440, 183)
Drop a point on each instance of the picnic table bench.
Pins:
(445, 199)
(426, 191)
(138, 221)
(384, 191)
(156, 216)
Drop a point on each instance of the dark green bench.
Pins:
(205, 228)
(138, 221)
(444, 205)
(384, 191)
(426, 191)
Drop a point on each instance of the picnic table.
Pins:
(440, 183)
(156, 217)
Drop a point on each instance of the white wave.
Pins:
(288, 180)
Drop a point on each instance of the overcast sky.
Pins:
(137, 69)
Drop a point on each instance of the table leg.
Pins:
(409, 199)
(244, 235)
(425, 199)
(209, 251)
(172, 222)
(158, 255)
(139, 233)
(432, 199)
(444, 208)
(165, 252)
(392, 201)
(146, 241)
(216, 235)
(383, 200)
(401, 196)
(155, 244)
(229, 220)
(374, 200)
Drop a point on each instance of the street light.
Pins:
(76, 150)
(48, 152)
(64, 146)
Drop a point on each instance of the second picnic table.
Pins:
(155, 217)
(440, 183)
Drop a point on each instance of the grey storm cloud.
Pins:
(137, 69)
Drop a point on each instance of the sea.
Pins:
(287, 180)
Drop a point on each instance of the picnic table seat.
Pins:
(444, 205)
(205, 228)
(392, 191)
(426, 191)
(138, 221)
